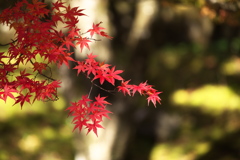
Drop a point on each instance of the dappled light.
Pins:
(30, 143)
(34, 131)
(231, 66)
(213, 99)
(177, 152)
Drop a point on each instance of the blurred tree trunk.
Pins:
(136, 17)
(91, 147)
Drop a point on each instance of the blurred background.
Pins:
(189, 49)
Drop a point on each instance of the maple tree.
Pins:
(39, 44)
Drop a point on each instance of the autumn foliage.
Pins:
(39, 44)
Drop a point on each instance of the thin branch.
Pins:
(90, 38)
(93, 39)
(83, 33)
(13, 41)
(90, 90)
(49, 78)
(109, 91)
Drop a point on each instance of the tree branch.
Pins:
(13, 41)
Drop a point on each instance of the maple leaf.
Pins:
(125, 87)
(7, 92)
(57, 5)
(154, 98)
(9, 68)
(95, 29)
(49, 92)
(79, 124)
(84, 101)
(102, 113)
(71, 23)
(37, 8)
(90, 58)
(80, 67)
(72, 108)
(83, 42)
(141, 88)
(72, 12)
(104, 34)
(91, 69)
(24, 74)
(101, 75)
(77, 11)
(97, 110)
(22, 99)
(39, 67)
(103, 66)
(73, 32)
(112, 75)
(101, 101)
(57, 17)
(55, 84)
(68, 42)
(94, 127)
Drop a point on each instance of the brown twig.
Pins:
(13, 41)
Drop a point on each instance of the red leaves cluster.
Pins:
(38, 43)
(104, 72)
(100, 71)
(142, 89)
(88, 114)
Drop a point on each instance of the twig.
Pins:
(49, 78)
(109, 91)
(13, 41)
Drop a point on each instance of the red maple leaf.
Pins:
(154, 98)
(22, 99)
(24, 74)
(91, 58)
(68, 42)
(72, 12)
(141, 88)
(104, 34)
(39, 67)
(103, 66)
(125, 88)
(71, 23)
(98, 30)
(7, 92)
(83, 42)
(80, 67)
(93, 126)
(101, 75)
(100, 101)
(57, 5)
(113, 75)
(95, 29)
